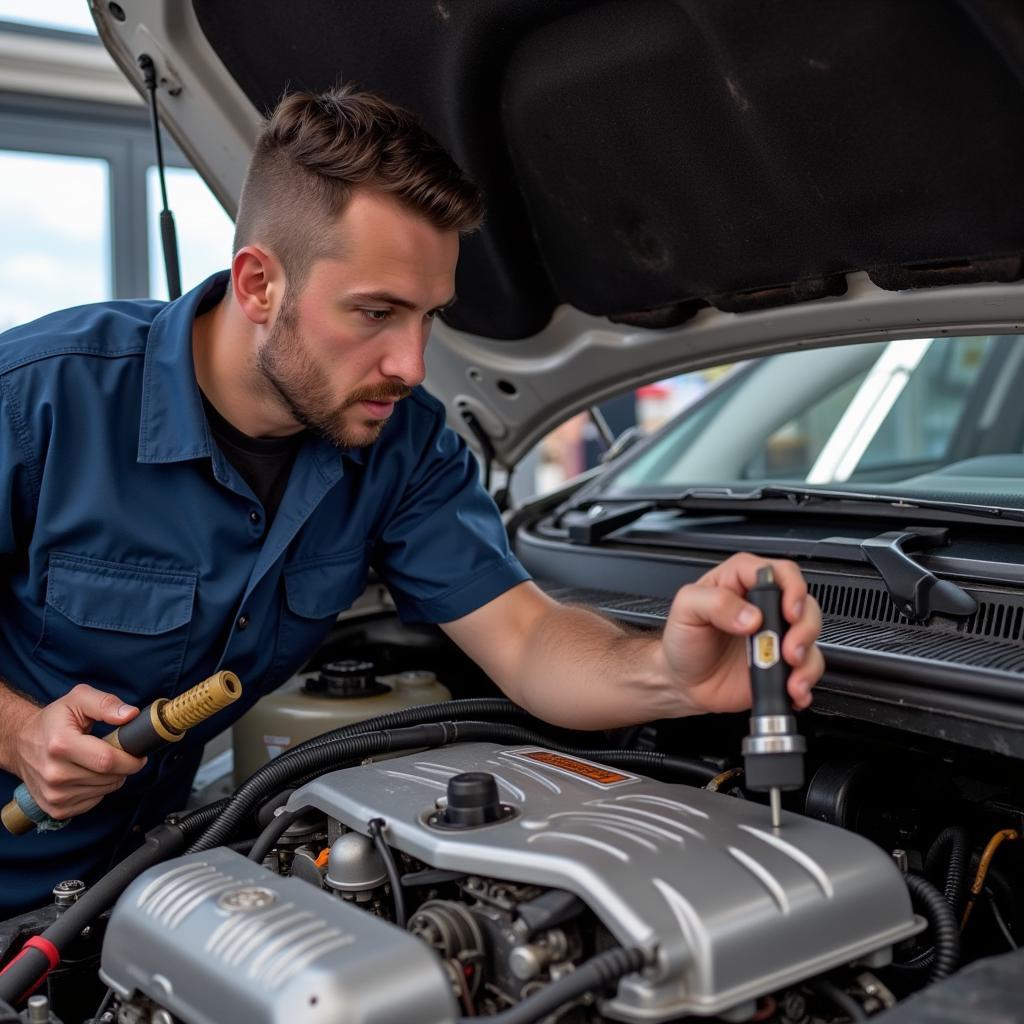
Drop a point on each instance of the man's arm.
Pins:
(66, 770)
(574, 668)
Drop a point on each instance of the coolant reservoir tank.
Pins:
(311, 703)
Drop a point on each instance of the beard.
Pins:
(291, 376)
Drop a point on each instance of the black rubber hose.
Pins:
(838, 998)
(595, 975)
(421, 714)
(948, 856)
(26, 970)
(196, 821)
(323, 756)
(482, 708)
(277, 827)
(376, 828)
(944, 958)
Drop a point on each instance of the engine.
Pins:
(514, 867)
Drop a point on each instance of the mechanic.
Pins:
(206, 483)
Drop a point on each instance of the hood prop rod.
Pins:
(168, 235)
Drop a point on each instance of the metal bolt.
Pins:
(160, 1016)
(525, 962)
(38, 1010)
(902, 860)
(67, 892)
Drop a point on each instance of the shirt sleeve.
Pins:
(19, 475)
(444, 551)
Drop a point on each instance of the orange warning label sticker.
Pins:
(597, 774)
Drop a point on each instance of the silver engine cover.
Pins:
(214, 938)
(728, 908)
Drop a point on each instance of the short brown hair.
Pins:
(316, 148)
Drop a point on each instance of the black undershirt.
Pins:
(263, 462)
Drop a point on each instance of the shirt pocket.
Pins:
(316, 589)
(119, 627)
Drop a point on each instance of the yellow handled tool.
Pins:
(165, 721)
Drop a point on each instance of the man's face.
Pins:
(351, 343)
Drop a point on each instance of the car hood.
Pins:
(669, 184)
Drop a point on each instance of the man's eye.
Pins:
(376, 315)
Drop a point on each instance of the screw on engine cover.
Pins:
(161, 1016)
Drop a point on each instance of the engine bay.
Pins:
(461, 859)
(547, 859)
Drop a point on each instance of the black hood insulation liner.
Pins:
(643, 158)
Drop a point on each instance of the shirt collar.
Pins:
(173, 426)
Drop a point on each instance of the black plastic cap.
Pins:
(346, 679)
(472, 800)
(773, 771)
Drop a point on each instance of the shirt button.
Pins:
(243, 621)
(254, 517)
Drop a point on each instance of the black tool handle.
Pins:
(768, 670)
(145, 733)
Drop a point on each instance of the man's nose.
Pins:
(403, 359)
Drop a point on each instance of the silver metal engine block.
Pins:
(725, 908)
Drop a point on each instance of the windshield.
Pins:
(933, 417)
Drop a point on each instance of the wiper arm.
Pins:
(594, 524)
(918, 593)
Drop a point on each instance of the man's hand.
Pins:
(66, 770)
(704, 644)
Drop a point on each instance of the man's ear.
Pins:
(257, 280)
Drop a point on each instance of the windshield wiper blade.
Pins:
(799, 496)
(917, 593)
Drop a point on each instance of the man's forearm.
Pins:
(15, 711)
(581, 670)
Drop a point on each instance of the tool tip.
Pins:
(765, 574)
(775, 796)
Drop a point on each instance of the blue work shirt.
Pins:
(137, 559)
